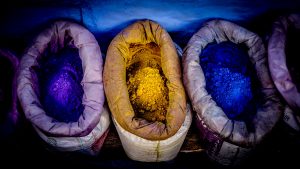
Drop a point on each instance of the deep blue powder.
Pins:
(59, 77)
(229, 78)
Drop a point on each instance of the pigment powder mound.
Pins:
(229, 78)
(146, 83)
(6, 74)
(148, 94)
(59, 77)
(293, 55)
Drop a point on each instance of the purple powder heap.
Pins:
(6, 74)
(229, 78)
(59, 77)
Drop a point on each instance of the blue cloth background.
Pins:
(22, 20)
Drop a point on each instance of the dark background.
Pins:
(22, 20)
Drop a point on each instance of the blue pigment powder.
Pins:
(230, 78)
(59, 77)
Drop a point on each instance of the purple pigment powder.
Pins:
(59, 77)
(230, 78)
(293, 55)
(6, 80)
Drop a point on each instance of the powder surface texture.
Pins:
(146, 83)
(59, 77)
(228, 74)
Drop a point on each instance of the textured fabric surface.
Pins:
(9, 114)
(89, 144)
(144, 150)
(143, 33)
(278, 59)
(59, 35)
(229, 140)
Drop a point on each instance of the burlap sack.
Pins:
(139, 136)
(279, 70)
(228, 141)
(94, 121)
(8, 125)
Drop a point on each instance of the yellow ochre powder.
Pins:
(148, 92)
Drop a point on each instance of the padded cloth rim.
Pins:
(54, 38)
(144, 31)
(277, 59)
(79, 143)
(235, 132)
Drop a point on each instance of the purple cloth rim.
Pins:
(277, 59)
(93, 98)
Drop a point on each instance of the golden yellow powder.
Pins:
(147, 89)
(148, 94)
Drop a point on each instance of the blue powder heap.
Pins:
(59, 77)
(228, 74)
